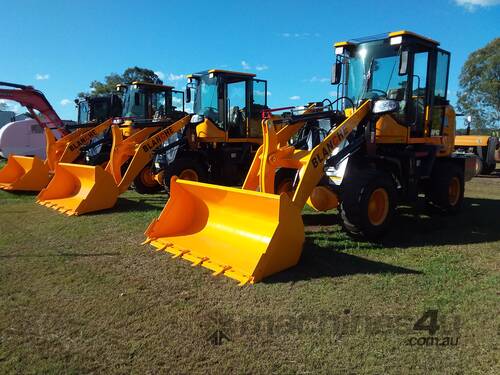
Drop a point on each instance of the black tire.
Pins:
(179, 167)
(146, 184)
(441, 192)
(356, 195)
(284, 179)
(488, 168)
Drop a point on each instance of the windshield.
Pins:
(205, 102)
(100, 110)
(373, 71)
(83, 112)
(134, 103)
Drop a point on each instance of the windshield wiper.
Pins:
(366, 78)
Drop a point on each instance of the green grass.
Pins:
(79, 295)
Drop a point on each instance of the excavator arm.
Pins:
(33, 99)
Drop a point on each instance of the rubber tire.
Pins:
(141, 188)
(488, 168)
(282, 175)
(354, 203)
(178, 165)
(439, 184)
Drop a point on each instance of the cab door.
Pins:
(236, 109)
(419, 94)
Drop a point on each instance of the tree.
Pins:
(479, 94)
(128, 76)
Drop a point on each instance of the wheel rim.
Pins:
(378, 206)
(286, 186)
(147, 177)
(454, 191)
(189, 174)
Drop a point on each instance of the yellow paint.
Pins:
(250, 233)
(387, 130)
(32, 174)
(79, 189)
(323, 199)
(241, 234)
(342, 44)
(411, 33)
(471, 140)
(24, 173)
(207, 131)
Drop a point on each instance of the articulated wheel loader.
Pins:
(387, 137)
(216, 143)
(96, 110)
(484, 146)
(150, 118)
(224, 131)
(32, 173)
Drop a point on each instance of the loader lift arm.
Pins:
(250, 233)
(79, 189)
(33, 100)
(277, 154)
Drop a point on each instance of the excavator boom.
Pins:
(33, 99)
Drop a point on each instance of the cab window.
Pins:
(236, 109)
(440, 93)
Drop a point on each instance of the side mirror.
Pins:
(137, 99)
(188, 94)
(336, 73)
(403, 63)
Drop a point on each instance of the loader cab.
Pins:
(227, 105)
(96, 109)
(144, 100)
(406, 76)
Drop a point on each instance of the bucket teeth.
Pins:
(199, 261)
(162, 248)
(222, 270)
(147, 241)
(213, 223)
(180, 253)
(78, 189)
(244, 282)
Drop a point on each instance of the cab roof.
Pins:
(154, 85)
(387, 36)
(220, 71)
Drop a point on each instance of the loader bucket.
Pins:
(24, 173)
(77, 189)
(243, 234)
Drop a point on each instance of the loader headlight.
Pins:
(385, 106)
(195, 119)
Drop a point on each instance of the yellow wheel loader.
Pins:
(218, 141)
(484, 146)
(224, 132)
(33, 174)
(150, 117)
(387, 137)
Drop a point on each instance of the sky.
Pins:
(61, 46)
